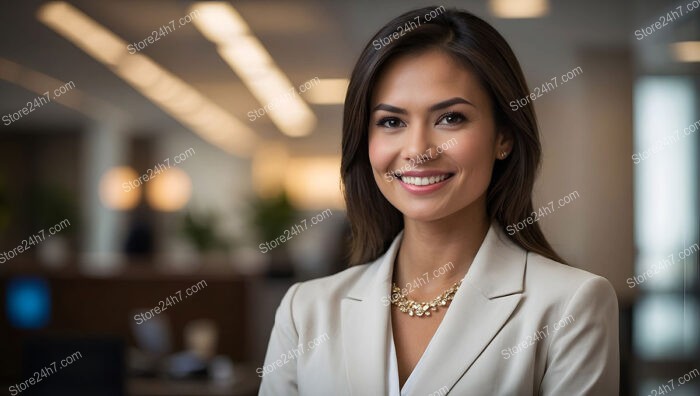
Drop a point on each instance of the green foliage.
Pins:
(51, 204)
(272, 216)
(201, 230)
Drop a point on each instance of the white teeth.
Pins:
(423, 181)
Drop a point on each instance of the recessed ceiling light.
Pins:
(244, 53)
(167, 91)
(328, 91)
(686, 51)
(519, 8)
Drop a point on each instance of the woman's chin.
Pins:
(422, 214)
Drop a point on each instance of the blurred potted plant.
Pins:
(271, 217)
(54, 206)
(201, 230)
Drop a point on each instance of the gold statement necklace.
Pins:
(417, 308)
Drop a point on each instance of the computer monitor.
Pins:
(83, 367)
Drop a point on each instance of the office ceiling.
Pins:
(306, 38)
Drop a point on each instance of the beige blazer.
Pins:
(520, 324)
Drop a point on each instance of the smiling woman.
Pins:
(444, 89)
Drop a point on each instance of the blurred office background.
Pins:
(92, 246)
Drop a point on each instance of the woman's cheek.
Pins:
(380, 154)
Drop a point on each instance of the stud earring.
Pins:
(503, 155)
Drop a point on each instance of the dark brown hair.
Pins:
(480, 48)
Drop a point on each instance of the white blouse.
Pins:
(394, 370)
(394, 367)
(393, 361)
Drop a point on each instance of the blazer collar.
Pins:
(497, 270)
(491, 292)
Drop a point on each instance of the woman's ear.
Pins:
(504, 144)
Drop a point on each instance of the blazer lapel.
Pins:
(365, 326)
(491, 291)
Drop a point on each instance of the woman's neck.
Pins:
(434, 255)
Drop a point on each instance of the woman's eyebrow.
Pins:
(450, 102)
(437, 106)
(389, 108)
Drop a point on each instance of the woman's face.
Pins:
(432, 137)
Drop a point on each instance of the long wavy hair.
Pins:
(481, 49)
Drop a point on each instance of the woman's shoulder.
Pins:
(550, 278)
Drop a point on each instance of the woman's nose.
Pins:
(417, 146)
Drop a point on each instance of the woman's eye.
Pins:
(451, 118)
(390, 122)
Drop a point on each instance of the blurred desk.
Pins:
(247, 386)
(84, 305)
